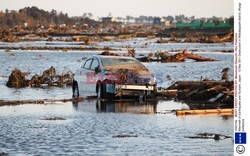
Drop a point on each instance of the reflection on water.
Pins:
(134, 106)
(126, 106)
(89, 127)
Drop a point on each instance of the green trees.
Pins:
(33, 17)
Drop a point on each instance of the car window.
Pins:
(95, 63)
(87, 64)
(122, 62)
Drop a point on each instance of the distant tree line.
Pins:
(33, 16)
(177, 18)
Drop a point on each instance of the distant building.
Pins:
(62, 25)
(208, 25)
(109, 19)
(25, 24)
(161, 21)
(191, 25)
(168, 24)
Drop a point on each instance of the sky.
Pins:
(100, 8)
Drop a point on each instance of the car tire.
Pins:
(100, 90)
(75, 89)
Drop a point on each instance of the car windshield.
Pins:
(122, 63)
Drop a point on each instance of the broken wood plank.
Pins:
(228, 111)
(168, 93)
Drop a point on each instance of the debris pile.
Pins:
(179, 57)
(205, 92)
(209, 136)
(107, 52)
(6, 36)
(17, 79)
(198, 38)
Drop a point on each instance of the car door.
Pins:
(94, 77)
(83, 85)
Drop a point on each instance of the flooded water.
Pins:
(91, 126)
(90, 129)
(35, 62)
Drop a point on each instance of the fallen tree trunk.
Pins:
(197, 57)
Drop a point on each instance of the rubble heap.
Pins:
(220, 92)
(17, 79)
(179, 57)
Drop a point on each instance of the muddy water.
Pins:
(35, 62)
(91, 127)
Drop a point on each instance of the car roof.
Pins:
(108, 56)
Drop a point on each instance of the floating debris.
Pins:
(54, 118)
(17, 79)
(4, 154)
(228, 112)
(209, 136)
(124, 136)
(225, 74)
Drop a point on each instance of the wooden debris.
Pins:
(17, 79)
(179, 57)
(225, 74)
(168, 93)
(131, 52)
(198, 38)
(220, 92)
(229, 111)
(209, 136)
(49, 77)
(54, 118)
(7, 36)
(124, 136)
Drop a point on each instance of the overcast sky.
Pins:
(197, 8)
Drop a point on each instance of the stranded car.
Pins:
(113, 76)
